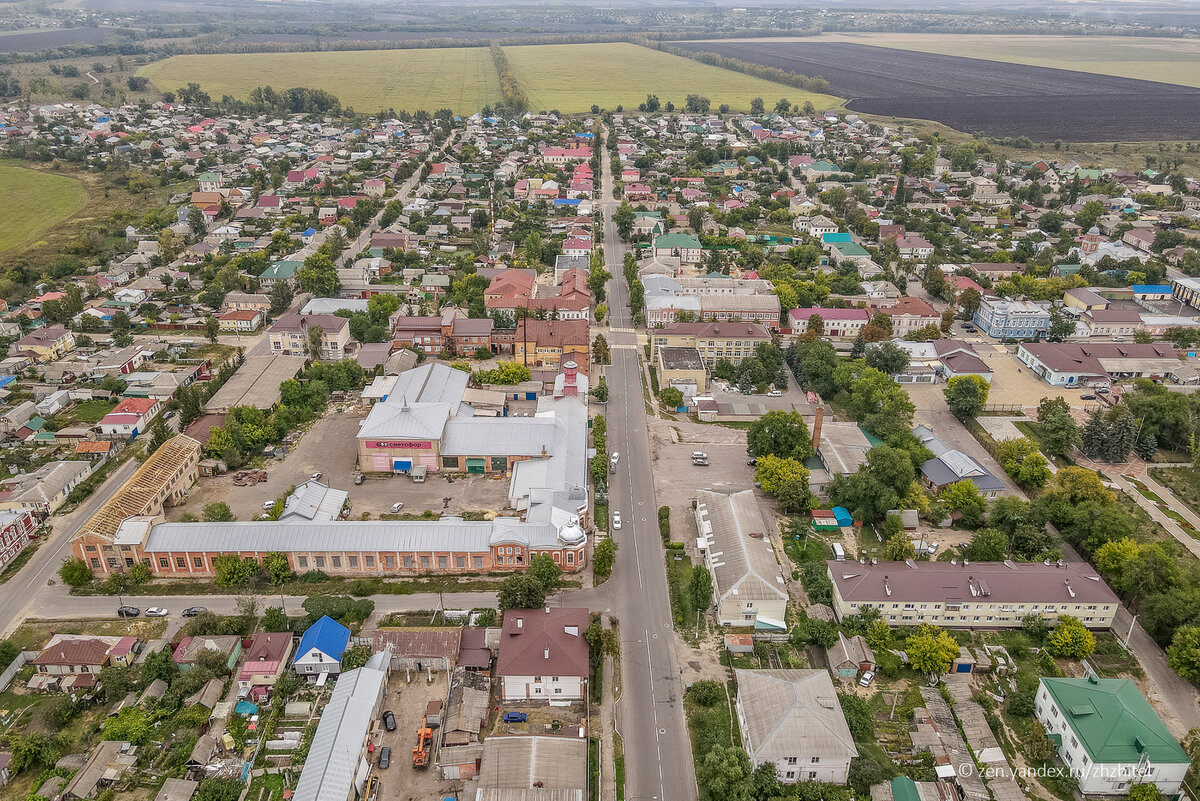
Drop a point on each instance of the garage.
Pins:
(476, 466)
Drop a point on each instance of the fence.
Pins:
(1003, 407)
(9, 672)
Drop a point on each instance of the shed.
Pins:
(824, 520)
(843, 516)
(971, 661)
(739, 643)
(177, 790)
(419, 649)
(849, 655)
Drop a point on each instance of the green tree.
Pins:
(218, 512)
(31, 750)
(281, 297)
(277, 567)
(1146, 791)
(772, 472)
(723, 774)
(159, 665)
(963, 497)
(898, 547)
(603, 557)
(139, 574)
(316, 338)
(931, 650)
(966, 395)
(623, 219)
(671, 397)
(780, 433)
(355, 657)
(1183, 654)
(757, 106)
(545, 571)
(887, 357)
(1070, 639)
(521, 591)
(234, 571)
(130, 725)
(75, 572)
(987, 545)
(700, 588)
(274, 619)
(212, 327)
(318, 276)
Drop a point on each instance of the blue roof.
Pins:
(566, 201)
(843, 516)
(309, 232)
(6, 380)
(838, 237)
(1151, 289)
(246, 708)
(327, 636)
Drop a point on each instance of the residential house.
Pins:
(246, 301)
(543, 654)
(189, 649)
(684, 247)
(1108, 736)
(77, 657)
(130, 417)
(16, 527)
(279, 272)
(748, 587)
(911, 314)
(244, 320)
(422, 333)
(45, 489)
(108, 761)
(792, 719)
(46, 344)
(838, 323)
(954, 466)
(319, 654)
(265, 661)
(1112, 322)
(290, 335)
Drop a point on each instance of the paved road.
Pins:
(18, 594)
(650, 711)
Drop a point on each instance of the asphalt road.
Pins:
(18, 595)
(650, 716)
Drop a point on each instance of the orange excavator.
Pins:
(420, 752)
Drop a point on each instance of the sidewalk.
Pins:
(1156, 514)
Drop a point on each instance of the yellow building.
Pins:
(714, 341)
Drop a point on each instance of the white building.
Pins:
(1108, 736)
(748, 585)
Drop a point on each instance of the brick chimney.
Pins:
(817, 427)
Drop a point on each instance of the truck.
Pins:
(421, 751)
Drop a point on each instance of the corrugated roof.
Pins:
(451, 534)
(740, 563)
(1114, 721)
(793, 713)
(516, 436)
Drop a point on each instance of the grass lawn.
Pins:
(14, 567)
(572, 77)
(1184, 483)
(34, 202)
(91, 411)
(1153, 59)
(35, 633)
(462, 79)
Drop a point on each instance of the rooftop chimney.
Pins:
(520, 622)
(546, 652)
(817, 427)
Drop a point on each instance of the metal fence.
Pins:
(9, 672)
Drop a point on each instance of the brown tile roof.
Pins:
(74, 652)
(544, 642)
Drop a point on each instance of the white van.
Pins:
(839, 553)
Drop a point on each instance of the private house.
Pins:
(1097, 363)
(106, 764)
(189, 649)
(748, 587)
(840, 445)
(16, 527)
(246, 301)
(290, 335)
(1108, 736)
(265, 660)
(241, 320)
(911, 314)
(953, 466)
(46, 344)
(1011, 319)
(279, 272)
(130, 417)
(1112, 322)
(421, 333)
(543, 655)
(339, 761)
(541, 767)
(792, 719)
(319, 653)
(546, 343)
(979, 595)
(43, 490)
(837, 323)
(419, 650)
(850, 656)
(70, 662)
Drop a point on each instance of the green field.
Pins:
(1152, 59)
(572, 77)
(33, 202)
(459, 78)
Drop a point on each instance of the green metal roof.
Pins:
(850, 249)
(905, 789)
(1114, 721)
(684, 241)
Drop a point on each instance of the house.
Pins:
(108, 761)
(338, 760)
(16, 527)
(319, 653)
(684, 247)
(954, 466)
(80, 657)
(419, 649)
(849, 656)
(793, 720)
(279, 272)
(534, 767)
(837, 323)
(290, 335)
(840, 445)
(130, 417)
(1011, 319)
(748, 587)
(543, 654)
(1097, 363)
(911, 314)
(177, 790)
(240, 320)
(189, 649)
(43, 490)
(46, 344)
(1108, 736)
(265, 661)
(714, 341)
(981, 595)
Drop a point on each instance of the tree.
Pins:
(772, 472)
(355, 657)
(31, 750)
(218, 512)
(1146, 791)
(520, 591)
(794, 496)
(623, 219)
(159, 665)
(783, 106)
(600, 350)
(1070, 639)
(603, 557)
(898, 547)
(139, 574)
(671, 397)
(1183, 655)
(757, 106)
(963, 497)
(1057, 429)
(966, 395)
(274, 619)
(277, 567)
(931, 650)
(316, 337)
(987, 545)
(780, 433)
(318, 275)
(1020, 459)
(75, 572)
(723, 774)
(1061, 326)
(700, 587)
(281, 297)
(968, 302)
(234, 571)
(545, 571)
(887, 357)
(212, 327)
(505, 373)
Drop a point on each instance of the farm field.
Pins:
(572, 77)
(462, 79)
(1175, 61)
(33, 40)
(33, 202)
(978, 95)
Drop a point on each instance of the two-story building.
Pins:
(713, 341)
(290, 335)
(543, 655)
(1011, 319)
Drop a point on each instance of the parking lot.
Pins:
(329, 447)
(407, 700)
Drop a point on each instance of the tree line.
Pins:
(515, 100)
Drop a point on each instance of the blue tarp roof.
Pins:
(6, 380)
(327, 636)
(246, 708)
(842, 515)
(309, 232)
(566, 201)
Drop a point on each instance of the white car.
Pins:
(774, 394)
(315, 476)
(616, 519)
(156, 611)
(268, 505)
(397, 506)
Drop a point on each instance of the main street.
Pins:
(650, 718)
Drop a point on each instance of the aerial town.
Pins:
(654, 452)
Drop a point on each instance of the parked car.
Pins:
(385, 757)
(193, 611)
(268, 505)
(128, 611)
(616, 520)
(866, 679)
(315, 476)
(1102, 390)
(156, 611)
(139, 646)
(515, 717)
(774, 394)
(358, 478)
(389, 720)
(397, 506)
(1087, 397)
